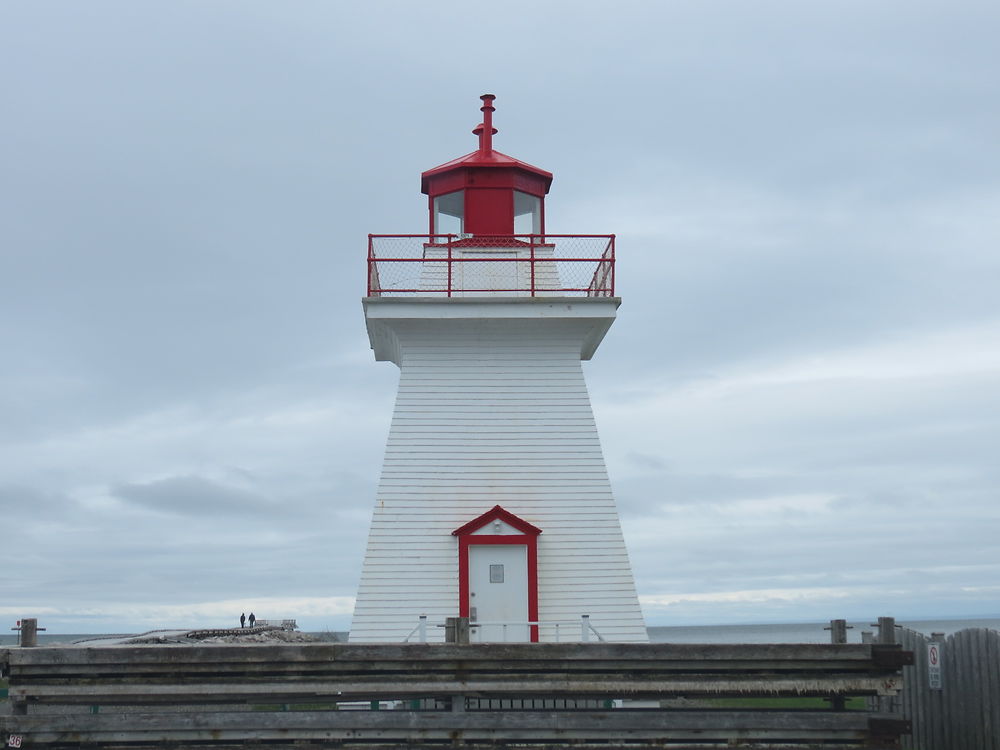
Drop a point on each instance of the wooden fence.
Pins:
(451, 695)
(963, 713)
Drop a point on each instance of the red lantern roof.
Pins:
(463, 172)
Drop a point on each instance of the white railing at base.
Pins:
(586, 628)
(421, 629)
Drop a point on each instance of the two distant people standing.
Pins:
(243, 620)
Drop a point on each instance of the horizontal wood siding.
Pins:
(494, 412)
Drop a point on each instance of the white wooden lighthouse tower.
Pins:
(494, 501)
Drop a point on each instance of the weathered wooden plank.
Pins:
(493, 652)
(807, 681)
(976, 689)
(917, 687)
(181, 670)
(950, 694)
(988, 688)
(187, 692)
(491, 744)
(713, 683)
(913, 678)
(992, 668)
(959, 717)
(970, 708)
(349, 744)
(526, 725)
(969, 718)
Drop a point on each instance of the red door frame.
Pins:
(528, 538)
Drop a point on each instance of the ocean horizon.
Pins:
(743, 633)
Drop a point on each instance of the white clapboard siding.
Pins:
(492, 409)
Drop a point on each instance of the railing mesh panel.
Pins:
(508, 265)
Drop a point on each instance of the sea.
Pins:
(756, 633)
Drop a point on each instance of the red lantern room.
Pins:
(486, 192)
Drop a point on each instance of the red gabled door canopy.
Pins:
(528, 537)
(496, 513)
(486, 192)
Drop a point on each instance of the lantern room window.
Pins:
(527, 213)
(449, 213)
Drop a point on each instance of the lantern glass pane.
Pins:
(527, 213)
(449, 213)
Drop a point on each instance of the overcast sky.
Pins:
(799, 403)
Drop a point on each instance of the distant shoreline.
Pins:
(741, 633)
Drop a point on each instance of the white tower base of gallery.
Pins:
(493, 410)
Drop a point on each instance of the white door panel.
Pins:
(498, 592)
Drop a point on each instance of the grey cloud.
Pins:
(18, 500)
(192, 496)
(646, 461)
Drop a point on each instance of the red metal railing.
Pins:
(528, 265)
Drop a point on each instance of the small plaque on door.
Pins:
(496, 573)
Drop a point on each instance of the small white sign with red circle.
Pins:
(934, 665)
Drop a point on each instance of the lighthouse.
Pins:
(494, 501)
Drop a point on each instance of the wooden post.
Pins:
(887, 630)
(838, 635)
(456, 630)
(886, 634)
(29, 632)
(838, 631)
